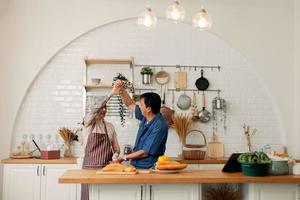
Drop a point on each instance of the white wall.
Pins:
(55, 97)
(297, 73)
(33, 31)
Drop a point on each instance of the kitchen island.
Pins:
(184, 185)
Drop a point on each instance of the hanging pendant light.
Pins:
(147, 18)
(175, 12)
(202, 20)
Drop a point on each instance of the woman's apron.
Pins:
(98, 153)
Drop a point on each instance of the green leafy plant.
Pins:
(255, 157)
(146, 70)
(127, 85)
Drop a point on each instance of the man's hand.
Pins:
(118, 86)
(120, 159)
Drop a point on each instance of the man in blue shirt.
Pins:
(152, 135)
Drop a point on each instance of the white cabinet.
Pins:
(117, 192)
(144, 192)
(50, 188)
(21, 182)
(172, 191)
(274, 191)
(36, 182)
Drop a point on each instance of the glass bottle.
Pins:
(49, 145)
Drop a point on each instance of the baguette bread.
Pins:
(167, 162)
(114, 167)
(170, 165)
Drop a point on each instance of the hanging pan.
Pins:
(184, 102)
(162, 78)
(202, 83)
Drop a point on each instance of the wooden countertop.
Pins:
(39, 161)
(187, 176)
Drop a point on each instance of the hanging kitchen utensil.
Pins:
(204, 115)
(219, 108)
(162, 78)
(168, 114)
(180, 80)
(184, 102)
(202, 83)
(219, 103)
(173, 100)
(195, 114)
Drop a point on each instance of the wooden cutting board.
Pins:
(142, 171)
(180, 80)
(118, 173)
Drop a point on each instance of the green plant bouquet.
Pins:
(146, 70)
(127, 85)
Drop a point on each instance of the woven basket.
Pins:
(194, 154)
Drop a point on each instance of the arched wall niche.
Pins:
(55, 97)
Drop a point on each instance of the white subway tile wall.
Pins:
(55, 98)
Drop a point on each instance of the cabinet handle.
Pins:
(142, 192)
(44, 169)
(38, 171)
(150, 192)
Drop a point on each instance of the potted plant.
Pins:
(254, 163)
(146, 73)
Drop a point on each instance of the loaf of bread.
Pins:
(170, 165)
(117, 167)
(114, 167)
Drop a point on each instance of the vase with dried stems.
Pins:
(69, 137)
(183, 124)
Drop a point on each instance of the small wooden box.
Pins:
(54, 154)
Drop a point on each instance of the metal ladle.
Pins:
(204, 115)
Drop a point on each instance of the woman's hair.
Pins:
(152, 100)
(95, 117)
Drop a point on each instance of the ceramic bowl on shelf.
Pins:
(279, 167)
(96, 81)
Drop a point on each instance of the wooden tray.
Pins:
(114, 173)
(167, 171)
(21, 157)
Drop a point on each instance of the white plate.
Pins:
(166, 171)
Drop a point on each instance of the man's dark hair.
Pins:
(152, 100)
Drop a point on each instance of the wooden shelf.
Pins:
(92, 86)
(39, 161)
(113, 60)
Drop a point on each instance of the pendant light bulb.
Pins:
(175, 12)
(147, 18)
(202, 20)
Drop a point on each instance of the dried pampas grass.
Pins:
(223, 192)
(67, 135)
(182, 123)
